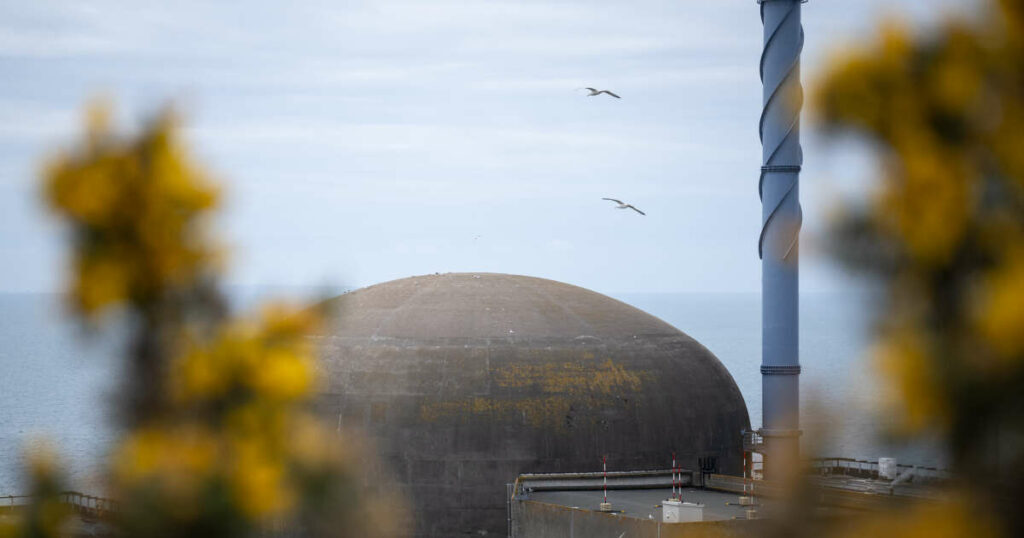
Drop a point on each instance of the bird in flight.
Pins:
(594, 92)
(623, 205)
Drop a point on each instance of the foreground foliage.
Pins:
(218, 436)
(944, 231)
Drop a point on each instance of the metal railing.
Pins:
(9, 503)
(91, 506)
(752, 441)
(650, 479)
(869, 469)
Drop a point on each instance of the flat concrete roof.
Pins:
(640, 494)
(645, 503)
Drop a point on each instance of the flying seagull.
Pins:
(594, 92)
(623, 205)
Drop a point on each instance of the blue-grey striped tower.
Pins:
(778, 244)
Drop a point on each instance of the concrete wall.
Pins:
(466, 381)
(532, 519)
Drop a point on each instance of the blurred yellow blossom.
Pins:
(134, 206)
(257, 479)
(944, 232)
(1001, 316)
(46, 516)
(220, 440)
(957, 517)
(911, 391)
(270, 358)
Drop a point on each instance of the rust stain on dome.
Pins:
(538, 412)
(572, 377)
(560, 380)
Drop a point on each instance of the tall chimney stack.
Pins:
(778, 245)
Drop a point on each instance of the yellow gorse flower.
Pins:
(944, 233)
(224, 444)
(269, 359)
(1000, 318)
(911, 388)
(946, 115)
(134, 206)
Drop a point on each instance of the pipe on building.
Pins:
(778, 244)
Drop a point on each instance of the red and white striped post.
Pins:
(605, 506)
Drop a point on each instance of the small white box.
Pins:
(673, 511)
(887, 468)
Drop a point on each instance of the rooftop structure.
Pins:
(646, 504)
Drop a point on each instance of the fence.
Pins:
(869, 469)
(89, 506)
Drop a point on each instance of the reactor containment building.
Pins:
(468, 380)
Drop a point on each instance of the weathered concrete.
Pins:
(542, 520)
(469, 380)
(643, 503)
(654, 479)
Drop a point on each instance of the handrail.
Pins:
(85, 504)
(869, 468)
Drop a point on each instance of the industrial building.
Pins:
(468, 380)
(680, 503)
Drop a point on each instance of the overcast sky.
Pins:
(365, 141)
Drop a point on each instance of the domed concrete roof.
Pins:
(467, 380)
(488, 306)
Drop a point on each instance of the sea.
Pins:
(58, 380)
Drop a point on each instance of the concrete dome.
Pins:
(467, 380)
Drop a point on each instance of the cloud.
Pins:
(29, 121)
(370, 120)
(558, 245)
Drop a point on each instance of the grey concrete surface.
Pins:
(469, 380)
(534, 519)
(646, 503)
